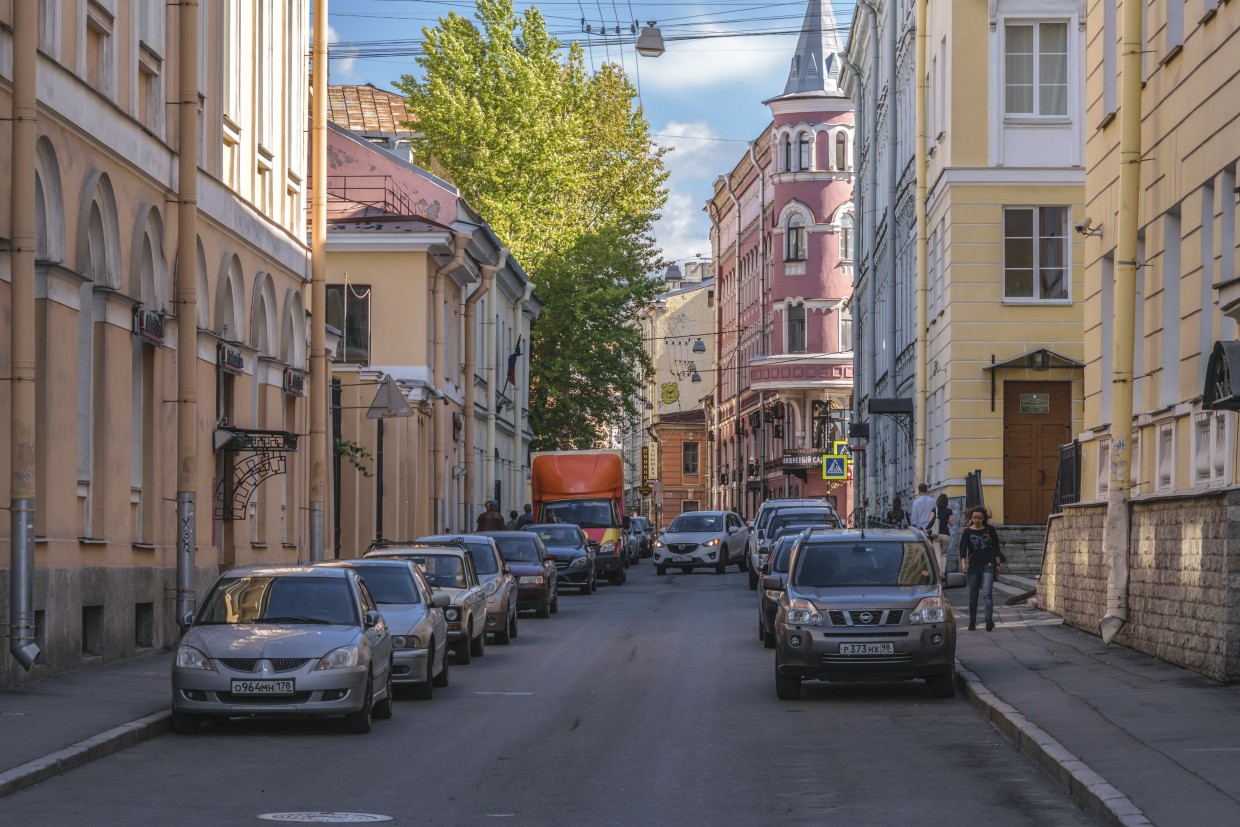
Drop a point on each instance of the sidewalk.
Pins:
(1167, 738)
(43, 717)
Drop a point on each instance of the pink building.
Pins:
(782, 240)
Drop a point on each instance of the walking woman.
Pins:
(946, 520)
(979, 557)
(897, 515)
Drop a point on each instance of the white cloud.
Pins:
(695, 162)
(342, 69)
(700, 64)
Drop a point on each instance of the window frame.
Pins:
(796, 240)
(803, 338)
(1065, 217)
(684, 458)
(805, 152)
(1036, 23)
(848, 237)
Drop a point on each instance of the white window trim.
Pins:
(1164, 464)
(1035, 117)
(1213, 443)
(1068, 265)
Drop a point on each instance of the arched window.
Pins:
(787, 154)
(841, 151)
(803, 145)
(796, 328)
(846, 237)
(795, 239)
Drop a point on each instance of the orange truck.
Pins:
(586, 489)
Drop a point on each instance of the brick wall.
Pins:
(1184, 578)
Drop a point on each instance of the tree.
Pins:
(560, 163)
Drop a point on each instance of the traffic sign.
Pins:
(834, 468)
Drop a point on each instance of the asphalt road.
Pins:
(650, 703)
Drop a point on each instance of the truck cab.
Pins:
(585, 489)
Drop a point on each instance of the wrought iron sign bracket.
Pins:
(264, 457)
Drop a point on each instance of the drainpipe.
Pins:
(22, 315)
(491, 374)
(459, 241)
(187, 309)
(861, 374)
(892, 178)
(1117, 527)
(320, 381)
(718, 280)
(761, 311)
(519, 456)
(871, 200)
(471, 359)
(736, 351)
(919, 283)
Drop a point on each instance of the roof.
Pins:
(281, 571)
(368, 109)
(416, 551)
(815, 69)
(850, 534)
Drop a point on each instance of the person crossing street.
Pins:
(979, 557)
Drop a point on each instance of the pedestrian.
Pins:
(922, 513)
(980, 557)
(526, 518)
(943, 539)
(491, 519)
(511, 525)
(897, 516)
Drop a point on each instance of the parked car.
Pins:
(882, 599)
(780, 518)
(703, 538)
(647, 536)
(768, 599)
(497, 581)
(537, 581)
(414, 618)
(450, 568)
(288, 641)
(633, 537)
(572, 552)
(769, 507)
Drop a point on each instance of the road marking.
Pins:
(503, 693)
(1215, 749)
(326, 818)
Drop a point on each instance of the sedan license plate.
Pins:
(867, 648)
(682, 558)
(280, 687)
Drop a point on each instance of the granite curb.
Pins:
(103, 744)
(1091, 790)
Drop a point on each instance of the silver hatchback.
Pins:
(703, 539)
(863, 606)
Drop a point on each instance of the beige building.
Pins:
(1182, 584)
(105, 218)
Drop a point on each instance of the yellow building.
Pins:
(1005, 283)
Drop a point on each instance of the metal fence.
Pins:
(1068, 480)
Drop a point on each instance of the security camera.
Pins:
(1084, 224)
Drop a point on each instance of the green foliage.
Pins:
(560, 162)
(354, 454)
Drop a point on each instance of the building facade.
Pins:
(783, 239)
(106, 327)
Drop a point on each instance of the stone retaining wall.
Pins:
(1023, 546)
(1184, 580)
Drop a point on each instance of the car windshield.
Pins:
(802, 519)
(559, 536)
(279, 599)
(518, 549)
(865, 563)
(791, 528)
(687, 523)
(389, 584)
(443, 570)
(484, 558)
(783, 551)
(584, 513)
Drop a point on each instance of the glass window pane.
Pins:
(1018, 284)
(1053, 284)
(1018, 223)
(1053, 69)
(1019, 68)
(1018, 253)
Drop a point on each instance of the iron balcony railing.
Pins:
(1068, 480)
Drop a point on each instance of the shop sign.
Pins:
(149, 326)
(231, 360)
(294, 382)
(799, 459)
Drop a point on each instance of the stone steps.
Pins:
(1023, 545)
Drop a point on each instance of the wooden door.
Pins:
(1037, 419)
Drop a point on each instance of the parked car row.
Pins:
(345, 637)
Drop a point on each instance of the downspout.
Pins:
(519, 457)
(22, 484)
(919, 283)
(459, 241)
(871, 200)
(761, 316)
(892, 179)
(861, 373)
(719, 503)
(471, 360)
(187, 308)
(736, 348)
(492, 310)
(320, 379)
(1117, 527)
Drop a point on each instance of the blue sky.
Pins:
(698, 92)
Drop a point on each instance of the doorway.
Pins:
(1037, 419)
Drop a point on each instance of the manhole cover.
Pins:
(325, 818)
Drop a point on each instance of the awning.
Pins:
(1040, 359)
(1218, 394)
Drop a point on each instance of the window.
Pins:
(1110, 68)
(1211, 449)
(1164, 472)
(846, 237)
(942, 124)
(1037, 69)
(348, 310)
(1206, 324)
(1170, 380)
(806, 160)
(846, 330)
(689, 455)
(1035, 254)
(796, 328)
(787, 154)
(688, 505)
(932, 267)
(99, 58)
(1175, 28)
(841, 151)
(795, 242)
(1104, 468)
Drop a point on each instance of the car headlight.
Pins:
(608, 547)
(772, 595)
(452, 614)
(190, 658)
(341, 658)
(530, 580)
(711, 543)
(658, 544)
(491, 586)
(803, 613)
(410, 642)
(929, 610)
(577, 561)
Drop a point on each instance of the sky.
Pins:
(703, 96)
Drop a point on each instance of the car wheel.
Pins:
(464, 646)
(478, 647)
(512, 624)
(617, 577)
(660, 570)
(722, 565)
(441, 680)
(768, 637)
(425, 691)
(383, 709)
(743, 565)
(555, 602)
(942, 686)
(359, 722)
(787, 687)
(184, 723)
(761, 630)
(753, 580)
(544, 611)
(587, 588)
(502, 635)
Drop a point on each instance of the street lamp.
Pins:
(650, 41)
(699, 346)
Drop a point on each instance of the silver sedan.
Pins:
(286, 641)
(699, 539)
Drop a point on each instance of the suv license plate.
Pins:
(281, 687)
(867, 648)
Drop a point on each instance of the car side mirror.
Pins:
(731, 529)
(507, 569)
(956, 580)
(627, 524)
(772, 583)
(551, 557)
(441, 601)
(750, 524)
(372, 619)
(593, 545)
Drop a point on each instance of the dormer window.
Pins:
(796, 65)
(813, 65)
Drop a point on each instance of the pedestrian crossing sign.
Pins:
(834, 468)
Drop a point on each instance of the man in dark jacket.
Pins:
(491, 519)
(527, 518)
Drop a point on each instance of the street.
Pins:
(647, 703)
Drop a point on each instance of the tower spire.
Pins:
(815, 63)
